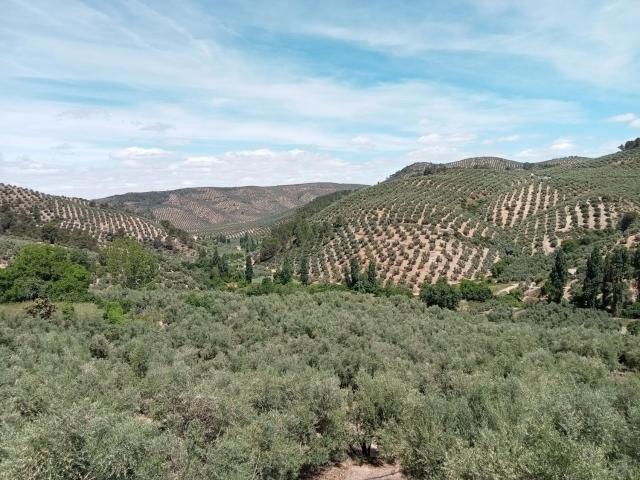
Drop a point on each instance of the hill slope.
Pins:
(208, 208)
(456, 222)
(78, 215)
(493, 163)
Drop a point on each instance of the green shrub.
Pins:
(114, 313)
(475, 291)
(632, 311)
(440, 294)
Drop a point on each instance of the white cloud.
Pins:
(436, 138)
(623, 118)
(159, 127)
(510, 138)
(562, 144)
(136, 153)
(362, 142)
(202, 161)
(631, 119)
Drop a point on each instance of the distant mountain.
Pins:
(210, 208)
(31, 213)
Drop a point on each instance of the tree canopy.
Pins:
(44, 271)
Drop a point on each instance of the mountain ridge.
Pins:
(202, 209)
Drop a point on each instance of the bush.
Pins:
(41, 308)
(475, 291)
(114, 313)
(631, 311)
(440, 294)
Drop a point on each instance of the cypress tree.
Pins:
(248, 269)
(592, 284)
(636, 269)
(285, 274)
(372, 276)
(554, 288)
(304, 270)
(614, 285)
(355, 280)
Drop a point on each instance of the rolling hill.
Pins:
(493, 163)
(80, 216)
(230, 210)
(455, 221)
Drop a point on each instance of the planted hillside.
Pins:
(230, 211)
(458, 222)
(78, 222)
(297, 228)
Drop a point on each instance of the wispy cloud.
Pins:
(631, 119)
(360, 88)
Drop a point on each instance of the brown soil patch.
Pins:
(350, 471)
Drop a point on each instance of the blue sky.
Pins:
(108, 97)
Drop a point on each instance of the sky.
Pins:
(98, 98)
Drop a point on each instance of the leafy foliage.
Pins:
(220, 385)
(554, 288)
(630, 144)
(44, 271)
(440, 294)
(475, 291)
(129, 263)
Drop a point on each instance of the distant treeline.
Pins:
(631, 144)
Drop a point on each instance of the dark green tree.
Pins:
(41, 271)
(356, 279)
(592, 285)
(285, 274)
(614, 285)
(248, 269)
(636, 268)
(371, 279)
(554, 287)
(440, 294)
(304, 270)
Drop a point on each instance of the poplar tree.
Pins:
(614, 285)
(554, 288)
(592, 284)
(304, 270)
(372, 276)
(248, 269)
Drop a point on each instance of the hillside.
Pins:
(232, 209)
(493, 163)
(457, 222)
(24, 209)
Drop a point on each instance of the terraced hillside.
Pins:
(456, 222)
(80, 215)
(231, 210)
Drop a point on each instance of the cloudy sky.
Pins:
(106, 97)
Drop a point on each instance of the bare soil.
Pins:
(349, 470)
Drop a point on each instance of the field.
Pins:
(224, 386)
